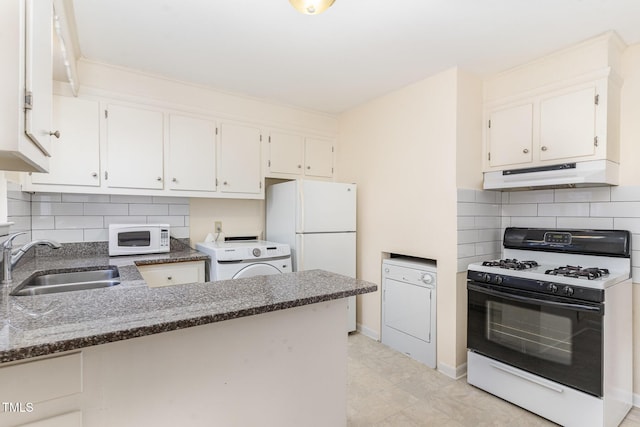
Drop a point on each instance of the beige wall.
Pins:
(401, 151)
(239, 218)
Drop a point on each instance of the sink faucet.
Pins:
(11, 258)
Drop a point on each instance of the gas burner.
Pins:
(511, 264)
(579, 272)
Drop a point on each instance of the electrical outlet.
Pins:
(218, 226)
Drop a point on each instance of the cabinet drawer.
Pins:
(42, 379)
(172, 274)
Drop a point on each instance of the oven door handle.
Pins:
(508, 295)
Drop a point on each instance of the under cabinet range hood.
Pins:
(565, 175)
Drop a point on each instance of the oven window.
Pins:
(134, 238)
(543, 335)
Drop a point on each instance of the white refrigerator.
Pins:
(318, 221)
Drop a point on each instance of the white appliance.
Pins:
(409, 308)
(245, 258)
(318, 220)
(550, 326)
(134, 239)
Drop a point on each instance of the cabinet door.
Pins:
(240, 159)
(38, 66)
(318, 157)
(134, 147)
(286, 153)
(510, 136)
(568, 125)
(75, 157)
(192, 154)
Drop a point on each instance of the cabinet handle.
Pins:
(224, 183)
(543, 148)
(525, 151)
(158, 179)
(308, 167)
(95, 174)
(169, 278)
(56, 134)
(174, 180)
(299, 166)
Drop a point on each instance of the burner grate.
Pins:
(589, 273)
(511, 264)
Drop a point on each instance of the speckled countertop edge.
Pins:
(79, 319)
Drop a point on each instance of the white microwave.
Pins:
(134, 239)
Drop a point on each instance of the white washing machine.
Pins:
(245, 258)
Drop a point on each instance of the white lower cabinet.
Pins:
(158, 275)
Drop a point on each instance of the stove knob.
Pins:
(497, 280)
(486, 278)
(552, 288)
(568, 290)
(256, 252)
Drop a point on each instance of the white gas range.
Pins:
(549, 326)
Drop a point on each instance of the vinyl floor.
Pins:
(388, 389)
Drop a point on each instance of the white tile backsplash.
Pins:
(585, 222)
(86, 217)
(533, 196)
(595, 194)
(532, 221)
(563, 209)
(519, 209)
(616, 209)
(625, 194)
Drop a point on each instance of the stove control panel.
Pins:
(557, 238)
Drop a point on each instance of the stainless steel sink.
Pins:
(68, 281)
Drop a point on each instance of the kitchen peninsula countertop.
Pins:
(46, 324)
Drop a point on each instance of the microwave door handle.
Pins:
(529, 300)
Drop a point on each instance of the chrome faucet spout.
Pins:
(10, 257)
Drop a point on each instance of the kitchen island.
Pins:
(268, 350)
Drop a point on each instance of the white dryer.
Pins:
(246, 258)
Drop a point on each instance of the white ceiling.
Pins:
(354, 52)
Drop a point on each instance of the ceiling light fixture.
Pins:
(311, 7)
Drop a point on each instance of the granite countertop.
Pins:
(45, 324)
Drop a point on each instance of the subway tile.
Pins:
(585, 222)
(466, 223)
(18, 208)
(625, 194)
(148, 209)
(635, 258)
(180, 232)
(186, 221)
(171, 200)
(593, 194)
(80, 198)
(42, 222)
(505, 222)
(467, 236)
(60, 236)
(635, 240)
(489, 235)
(526, 209)
(536, 221)
(488, 222)
(124, 220)
(616, 209)
(488, 196)
(635, 274)
(178, 209)
(173, 221)
(96, 235)
(53, 208)
(20, 222)
(46, 197)
(563, 209)
(18, 195)
(485, 248)
(466, 209)
(106, 209)
(72, 222)
(532, 196)
(631, 224)
(466, 250)
(506, 197)
(466, 195)
(130, 199)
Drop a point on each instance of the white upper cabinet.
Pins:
(134, 147)
(286, 153)
(568, 125)
(240, 159)
(318, 155)
(192, 153)
(78, 121)
(510, 135)
(295, 156)
(26, 85)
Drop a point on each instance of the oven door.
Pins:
(550, 336)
